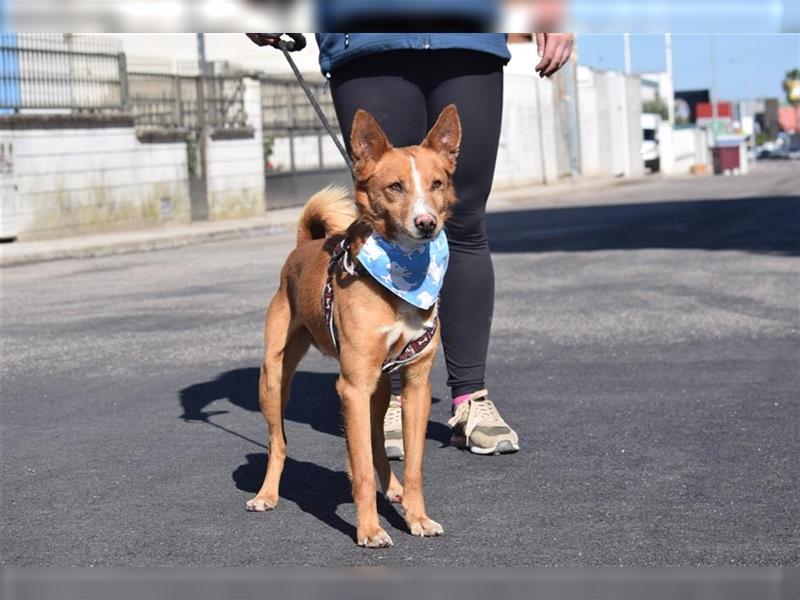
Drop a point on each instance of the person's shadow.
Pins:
(313, 401)
(315, 489)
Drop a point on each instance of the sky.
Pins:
(743, 62)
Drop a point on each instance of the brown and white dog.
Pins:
(404, 195)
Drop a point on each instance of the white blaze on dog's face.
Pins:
(405, 194)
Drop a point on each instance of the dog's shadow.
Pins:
(315, 490)
(313, 401)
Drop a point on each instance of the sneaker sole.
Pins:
(504, 447)
(394, 453)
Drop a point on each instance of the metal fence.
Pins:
(90, 74)
(59, 72)
(169, 102)
(294, 138)
(299, 156)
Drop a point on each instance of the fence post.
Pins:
(124, 90)
(290, 111)
(176, 89)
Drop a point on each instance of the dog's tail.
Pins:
(328, 211)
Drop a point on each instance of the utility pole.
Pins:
(625, 125)
(670, 100)
(712, 91)
(200, 195)
(627, 39)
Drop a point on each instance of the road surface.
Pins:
(645, 347)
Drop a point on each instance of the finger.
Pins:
(563, 58)
(547, 59)
(540, 44)
(559, 57)
(260, 39)
(567, 55)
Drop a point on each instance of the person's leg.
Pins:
(387, 86)
(474, 82)
(384, 85)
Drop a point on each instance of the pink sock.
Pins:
(459, 399)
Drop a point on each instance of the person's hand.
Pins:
(554, 50)
(262, 39)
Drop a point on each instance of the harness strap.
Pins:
(341, 258)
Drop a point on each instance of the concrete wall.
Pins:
(236, 166)
(633, 115)
(609, 115)
(76, 179)
(680, 149)
(528, 136)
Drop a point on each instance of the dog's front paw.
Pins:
(375, 538)
(424, 527)
(261, 503)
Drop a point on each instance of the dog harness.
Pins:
(342, 260)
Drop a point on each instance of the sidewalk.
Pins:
(172, 236)
(144, 240)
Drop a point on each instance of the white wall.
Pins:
(680, 149)
(529, 124)
(609, 114)
(236, 167)
(71, 181)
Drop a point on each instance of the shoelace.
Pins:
(482, 411)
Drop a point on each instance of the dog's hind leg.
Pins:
(285, 347)
(390, 486)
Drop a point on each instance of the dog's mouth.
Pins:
(407, 238)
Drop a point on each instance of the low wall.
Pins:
(236, 165)
(527, 152)
(680, 149)
(609, 115)
(77, 174)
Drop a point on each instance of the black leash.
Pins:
(297, 42)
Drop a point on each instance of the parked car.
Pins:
(650, 149)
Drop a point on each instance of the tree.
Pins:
(656, 105)
(791, 85)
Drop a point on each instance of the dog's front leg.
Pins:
(355, 393)
(416, 409)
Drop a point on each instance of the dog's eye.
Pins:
(396, 186)
(437, 184)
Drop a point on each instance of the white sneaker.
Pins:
(393, 430)
(478, 426)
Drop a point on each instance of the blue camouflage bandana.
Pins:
(414, 274)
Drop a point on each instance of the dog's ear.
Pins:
(367, 140)
(445, 135)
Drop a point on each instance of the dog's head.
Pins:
(405, 194)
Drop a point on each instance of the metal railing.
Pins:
(84, 74)
(170, 102)
(294, 139)
(285, 108)
(58, 72)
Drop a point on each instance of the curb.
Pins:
(278, 221)
(129, 242)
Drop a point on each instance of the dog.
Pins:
(403, 196)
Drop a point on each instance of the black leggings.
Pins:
(405, 91)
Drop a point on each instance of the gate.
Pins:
(299, 156)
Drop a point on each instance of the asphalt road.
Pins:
(645, 347)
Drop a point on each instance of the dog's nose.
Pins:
(425, 223)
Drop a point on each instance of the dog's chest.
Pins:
(409, 325)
